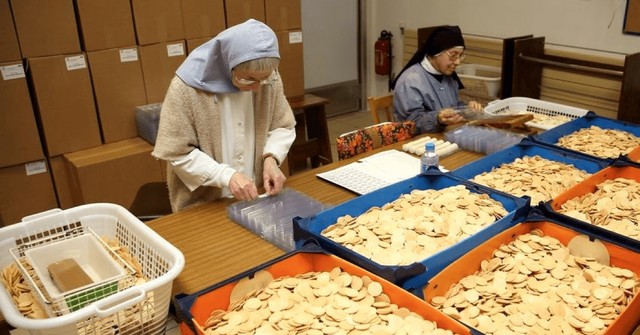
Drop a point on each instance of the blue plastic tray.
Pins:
(310, 228)
(551, 137)
(529, 148)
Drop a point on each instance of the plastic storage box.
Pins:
(194, 310)
(107, 272)
(517, 105)
(528, 148)
(470, 263)
(310, 228)
(139, 309)
(482, 79)
(271, 217)
(482, 139)
(147, 121)
(618, 169)
(551, 137)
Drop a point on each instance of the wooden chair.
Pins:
(366, 139)
(385, 103)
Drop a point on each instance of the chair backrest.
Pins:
(366, 139)
(385, 103)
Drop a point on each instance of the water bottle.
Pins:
(429, 158)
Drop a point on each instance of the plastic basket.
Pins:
(139, 309)
(470, 263)
(480, 79)
(518, 105)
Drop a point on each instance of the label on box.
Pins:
(175, 50)
(128, 55)
(35, 167)
(75, 62)
(12, 71)
(295, 37)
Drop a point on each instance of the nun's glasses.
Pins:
(455, 57)
(248, 82)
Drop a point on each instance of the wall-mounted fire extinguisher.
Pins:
(383, 53)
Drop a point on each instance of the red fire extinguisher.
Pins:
(383, 53)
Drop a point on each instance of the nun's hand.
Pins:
(272, 177)
(242, 187)
(449, 116)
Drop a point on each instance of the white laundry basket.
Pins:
(520, 105)
(137, 309)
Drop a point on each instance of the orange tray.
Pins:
(634, 155)
(470, 263)
(589, 185)
(197, 308)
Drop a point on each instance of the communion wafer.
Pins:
(279, 308)
(599, 142)
(534, 176)
(582, 297)
(614, 205)
(416, 225)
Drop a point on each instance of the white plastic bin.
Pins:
(139, 309)
(520, 105)
(481, 79)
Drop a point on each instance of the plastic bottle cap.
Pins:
(430, 146)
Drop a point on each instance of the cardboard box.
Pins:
(291, 62)
(118, 86)
(112, 172)
(105, 24)
(61, 183)
(9, 47)
(65, 104)
(159, 64)
(46, 27)
(238, 11)
(283, 14)
(202, 18)
(19, 137)
(194, 43)
(157, 21)
(26, 189)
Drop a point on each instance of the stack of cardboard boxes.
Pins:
(73, 72)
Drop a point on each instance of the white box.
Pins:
(482, 79)
(86, 250)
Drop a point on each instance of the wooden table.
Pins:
(312, 133)
(216, 248)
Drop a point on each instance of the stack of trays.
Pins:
(607, 203)
(542, 276)
(393, 218)
(310, 289)
(270, 217)
(614, 138)
(544, 164)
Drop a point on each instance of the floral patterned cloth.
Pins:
(372, 137)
